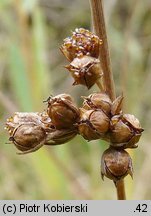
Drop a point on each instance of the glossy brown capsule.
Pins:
(28, 137)
(85, 70)
(98, 101)
(94, 124)
(125, 131)
(20, 118)
(116, 164)
(28, 130)
(62, 111)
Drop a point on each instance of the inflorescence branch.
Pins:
(100, 117)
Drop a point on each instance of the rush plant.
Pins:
(101, 115)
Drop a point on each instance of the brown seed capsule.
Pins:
(82, 42)
(116, 164)
(98, 101)
(20, 118)
(125, 131)
(62, 111)
(24, 117)
(57, 137)
(94, 124)
(28, 130)
(28, 137)
(85, 70)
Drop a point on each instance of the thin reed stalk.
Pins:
(100, 30)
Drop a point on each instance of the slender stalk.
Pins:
(100, 30)
(120, 188)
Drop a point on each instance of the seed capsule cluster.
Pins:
(103, 119)
(82, 51)
(30, 131)
(98, 118)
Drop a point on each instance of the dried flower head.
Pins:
(82, 42)
(62, 111)
(116, 164)
(94, 124)
(125, 131)
(85, 70)
(98, 101)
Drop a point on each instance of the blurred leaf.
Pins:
(51, 176)
(19, 79)
(42, 85)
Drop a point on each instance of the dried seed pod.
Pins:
(57, 137)
(82, 42)
(98, 101)
(28, 130)
(20, 118)
(62, 111)
(85, 70)
(117, 104)
(133, 121)
(125, 131)
(94, 124)
(116, 164)
(24, 117)
(28, 137)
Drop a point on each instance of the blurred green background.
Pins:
(31, 68)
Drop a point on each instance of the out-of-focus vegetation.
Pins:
(31, 68)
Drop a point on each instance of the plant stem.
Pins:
(120, 188)
(100, 30)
